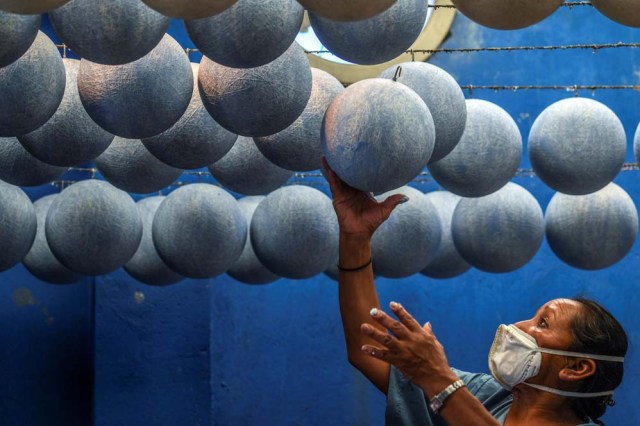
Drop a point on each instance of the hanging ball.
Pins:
(129, 166)
(31, 87)
(499, 232)
(116, 33)
(592, 231)
(636, 144)
(378, 135)
(294, 232)
(446, 262)
(93, 228)
(146, 265)
(195, 141)
(487, 156)
(30, 6)
(577, 146)
(70, 137)
(40, 261)
(249, 34)
(443, 96)
(257, 101)
(193, 9)
(347, 10)
(405, 243)
(17, 32)
(248, 269)
(246, 171)
(625, 12)
(199, 230)
(20, 168)
(507, 14)
(142, 98)
(375, 40)
(19, 224)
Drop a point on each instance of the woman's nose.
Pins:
(523, 325)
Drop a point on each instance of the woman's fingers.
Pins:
(376, 352)
(405, 317)
(379, 336)
(396, 327)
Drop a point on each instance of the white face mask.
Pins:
(515, 357)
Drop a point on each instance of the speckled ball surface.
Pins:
(625, 12)
(199, 230)
(93, 228)
(347, 10)
(507, 14)
(249, 34)
(592, 231)
(577, 146)
(378, 135)
(257, 101)
(70, 137)
(32, 88)
(375, 40)
(487, 155)
(294, 232)
(19, 225)
(17, 32)
(19, 167)
(112, 32)
(499, 232)
(146, 265)
(111, 94)
(193, 9)
(636, 143)
(31, 6)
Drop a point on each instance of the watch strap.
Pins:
(437, 401)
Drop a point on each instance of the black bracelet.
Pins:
(355, 269)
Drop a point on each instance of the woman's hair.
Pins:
(596, 331)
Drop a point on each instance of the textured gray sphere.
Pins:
(499, 232)
(507, 14)
(347, 10)
(17, 32)
(375, 40)
(246, 171)
(93, 228)
(443, 96)
(592, 231)
(486, 157)
(447, 262)
(193, 9)
(142, 98)
(249, 34)
(19, 167)
(377, 135)
(248, 269)
(199, 230)
(577, 146)
(146, 265)
(257, 101)
(110, 32)
(19, 225)
(298, 147)
(30, 6)
(70, 137)
(128, 165)
(294, 232)
(636, 144)
(196, 140)
(406, 242)
(32, 88)
(625, 12)
(40, 261)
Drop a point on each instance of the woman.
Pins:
(558, 368)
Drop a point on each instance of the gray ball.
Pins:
(146, 265)
(592, 231)
(32, 88)
(142, 98)
(294, 232)
(40, 261)
(17, 32)
(199, 230)
(347, 10)
(249, 34)
(111, 33)
(298, 147)
(70, 137)
(406, 242)
(636, 144)
(444, 97)
(499, 232)
(30, 6)
(577, 146)
(192, 9)
(93, 228)
(19, 167)
(248, 269)
(487, 156)
(128, 165)
(257, 101)
(507, 14)
(19, 225)
(447, 262)
(375, 40)
(246, 171)
(195, 141)
(377, 135)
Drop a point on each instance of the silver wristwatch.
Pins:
(437, 401)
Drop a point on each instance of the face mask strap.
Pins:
(581, 355)
(570, 394)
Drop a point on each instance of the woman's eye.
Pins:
(543, 323)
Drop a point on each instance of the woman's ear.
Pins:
(577, 369)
